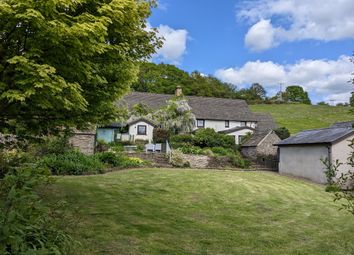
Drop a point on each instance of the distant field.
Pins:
(297, 117)
(186, 211)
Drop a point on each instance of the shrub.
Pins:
(183, 138)
(13, 158)
(27, 225)
(237, 161)
(160, 135)
(177, 159)
(207, 137)
(72, 163)
(222, 151)
(282, 132)
(133, 162)
(53, 145)
(110, 158)
(208, 152)
(119, 160)
(190, 149)
(101, 145)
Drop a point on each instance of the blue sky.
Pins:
(302, 42)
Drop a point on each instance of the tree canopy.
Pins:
(164, 78)
(296, 94)
(64, 63)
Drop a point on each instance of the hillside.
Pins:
(297, 117)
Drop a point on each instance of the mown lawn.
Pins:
(298, 117)
(165, 211)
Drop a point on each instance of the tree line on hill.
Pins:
(164, 78)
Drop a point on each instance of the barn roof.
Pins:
(348, 124)
(203, 107)
(265, 122)
(256, 138)
(318, 136)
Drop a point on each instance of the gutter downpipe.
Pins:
(329, 148)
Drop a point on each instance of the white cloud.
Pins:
(324, 79)
(174, 44)
(324, 20)
(261, 36)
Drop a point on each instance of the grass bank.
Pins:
(298, 117)
(165, 211)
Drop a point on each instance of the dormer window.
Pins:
(227, 123)
(200, 123)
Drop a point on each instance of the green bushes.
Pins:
(236, 160)
(72, 163)
(190, 149)
(113, 159)
(208, 137)
(27, 225)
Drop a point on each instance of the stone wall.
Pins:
(202, 161)
(266, 147)
(84, 141)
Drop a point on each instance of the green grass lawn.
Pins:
(176, 211)
(297, 117)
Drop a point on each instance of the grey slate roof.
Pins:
(347, 124)
(265, 122)
(256, 138)
(203, 107)
(318, 136)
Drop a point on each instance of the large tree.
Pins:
(296, 94)
(64, 62)
(164, 78)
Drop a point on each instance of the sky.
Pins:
(276, 43)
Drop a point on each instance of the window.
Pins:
(243, 123)
(200, 123)
(141, 130)
(240, 138)
(227, 123)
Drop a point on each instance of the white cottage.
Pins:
(229, 116)
(300, 155)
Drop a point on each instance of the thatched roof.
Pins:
(202, 107)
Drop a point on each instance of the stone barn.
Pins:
(261, 144)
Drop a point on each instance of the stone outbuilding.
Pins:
(261, 144)
(300, 155)
(84, 141)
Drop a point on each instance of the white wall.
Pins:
(303, 161)
(238, 133)
(133, 130)
(342, 151)
(219, 125)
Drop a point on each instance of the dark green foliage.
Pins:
(164, 78)
(27, 226)
(190, 149)
(222, 151)
(237, 161)
(160, 135)
(114, 159)
(351, 100)
(296, 94)
(255, 94)
(65, 63)
(282, 132)
(72, 163)
(182, 138)
(208, 137)
(53, 145)
(101, 145)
